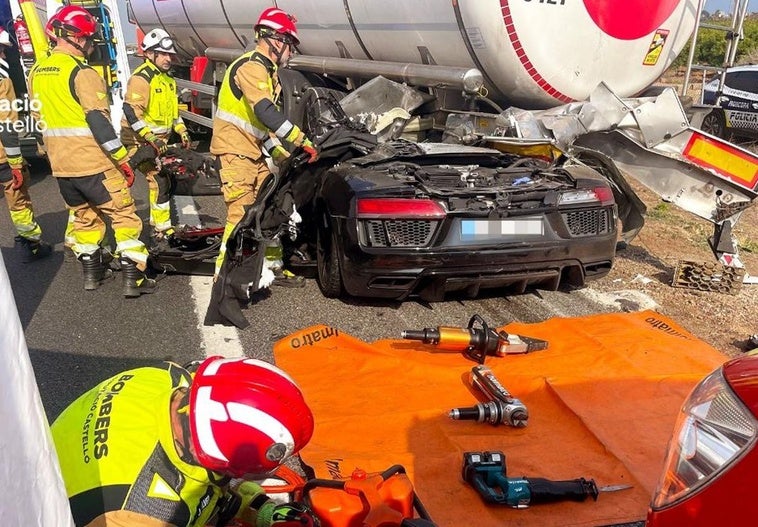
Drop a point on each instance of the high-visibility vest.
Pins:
(163, 106)
(232, 105)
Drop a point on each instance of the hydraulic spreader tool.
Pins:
(485, 471)
(476, 341)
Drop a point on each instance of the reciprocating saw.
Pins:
(476, 341)
(485, 471)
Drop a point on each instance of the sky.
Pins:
(726, 5)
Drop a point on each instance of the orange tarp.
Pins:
(602, 400)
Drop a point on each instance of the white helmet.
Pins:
(158, 40)
(5, 38)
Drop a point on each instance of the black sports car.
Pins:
(430, 218)
(397, 218)
(427, 219)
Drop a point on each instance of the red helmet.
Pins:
(50, 30)
(278, 21)
(246, 416)
(73, 21)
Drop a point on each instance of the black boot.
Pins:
(135, 281)
(95, 272)
(32, 250)
(114, 264)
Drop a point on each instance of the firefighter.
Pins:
(85, 155)
(247, 120)
(157, 447)
(13, 173)
(151, 112)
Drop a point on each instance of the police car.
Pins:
(736, 112)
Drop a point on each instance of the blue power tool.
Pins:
(485, 471)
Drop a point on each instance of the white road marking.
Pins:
(218, 339)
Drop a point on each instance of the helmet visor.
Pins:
(164, 45)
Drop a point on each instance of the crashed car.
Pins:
(399, 219)
(427, 219)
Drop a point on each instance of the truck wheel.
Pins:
(327, 261)
(715, 124)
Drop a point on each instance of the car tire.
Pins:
(329, 277)
(715, 124)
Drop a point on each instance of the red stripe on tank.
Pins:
(510, 29)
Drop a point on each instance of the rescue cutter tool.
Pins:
(476, 341)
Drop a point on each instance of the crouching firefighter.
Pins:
(151, 113)
(248, 120)
(86, 157)
(157, 447)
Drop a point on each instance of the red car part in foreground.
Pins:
(712, 460)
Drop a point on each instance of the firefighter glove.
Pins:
(310, 149)
(186, 140)
(126, 170)
(18, 178)
(156, 142)
(293, 515)
(17, 164)
(279, 154)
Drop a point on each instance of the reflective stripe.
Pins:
(160, 129)
(284, 129)
(206, 411)
(139, 125)
(85, 248)
(270, 144)
(240, 123)
(13, 151)
(113, 144)
(134, 256)
(68, 132)
(262, 422)
(130, 244)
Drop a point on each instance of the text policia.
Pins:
(26, 123)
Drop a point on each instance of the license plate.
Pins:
(491, 229)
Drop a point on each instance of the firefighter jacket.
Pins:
(117, 454)
(9, 143)
(75, 115)
(151, 104)
(247, 117)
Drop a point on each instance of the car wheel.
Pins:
(328, 263)
(715, 124)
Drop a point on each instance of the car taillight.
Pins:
(713, 430)
(399, 208)
(604, 195)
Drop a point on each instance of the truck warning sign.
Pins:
(656, 47)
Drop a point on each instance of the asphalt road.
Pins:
(77, 338)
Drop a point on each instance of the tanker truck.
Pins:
(530, 53)
(523, 76)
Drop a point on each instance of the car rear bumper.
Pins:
(431, 274)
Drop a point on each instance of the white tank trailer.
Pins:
(531, 53)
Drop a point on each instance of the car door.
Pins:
(740, 102)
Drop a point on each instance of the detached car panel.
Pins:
(429, 219)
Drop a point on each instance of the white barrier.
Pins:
(33, 490)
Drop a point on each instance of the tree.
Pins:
(711, 45)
